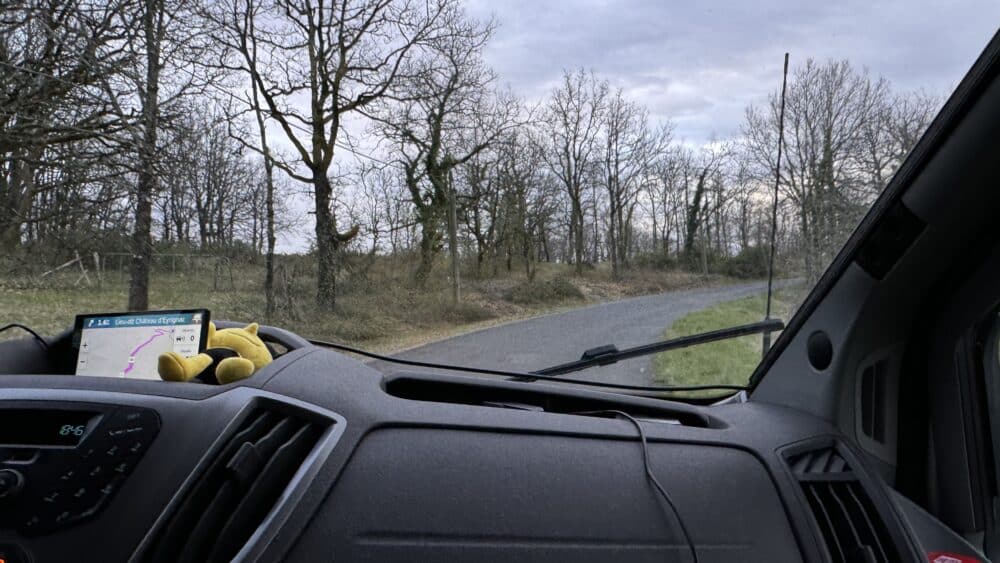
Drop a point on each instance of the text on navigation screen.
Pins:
(129, 345)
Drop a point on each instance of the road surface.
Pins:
(552, 339)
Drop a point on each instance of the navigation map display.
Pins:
(128, 344)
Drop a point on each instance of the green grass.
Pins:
(726, 361)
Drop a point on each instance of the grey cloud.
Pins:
(700, 63)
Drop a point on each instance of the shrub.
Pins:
(655, 261)
(551, 291)
(435, 310)
(464, 313)
(751, 262)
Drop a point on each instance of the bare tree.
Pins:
(836, 161)
(573, 121)
(700, 170)
(527, 195)
(450, 115)
(52, 54)
(341, 57)
(147, 94)
(481, 204)
(631, 146)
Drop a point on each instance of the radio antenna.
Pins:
(774, 206)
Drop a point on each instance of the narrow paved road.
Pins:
(561, 337)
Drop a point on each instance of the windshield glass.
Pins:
(499, 185)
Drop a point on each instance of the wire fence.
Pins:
(97, 268)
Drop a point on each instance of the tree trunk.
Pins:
(576, 221)
(453, 241)
(20, 192)
(269, 305)
(142, 244)
(428, 245)
(326, 244)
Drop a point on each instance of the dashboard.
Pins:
(318, 457)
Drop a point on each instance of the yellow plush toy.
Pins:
(231, 354)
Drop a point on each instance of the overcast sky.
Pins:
(700, 62)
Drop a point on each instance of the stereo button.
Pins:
(103, 495)
(120, 433)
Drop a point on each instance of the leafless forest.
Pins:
(141, 126)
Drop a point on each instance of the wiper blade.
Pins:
(524, 376)
(609, 354)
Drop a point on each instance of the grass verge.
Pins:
(727, 361)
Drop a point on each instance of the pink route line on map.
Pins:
(159, 332)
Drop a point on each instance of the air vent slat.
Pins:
(825, 524)
(202, 537)
(189, 514)
(856, 507)
(241, 476)
(240, 486)
(262, 494)
(841, 518)
(820, 462)
(848, 521)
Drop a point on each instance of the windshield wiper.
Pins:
(609, 354)
(654, 390)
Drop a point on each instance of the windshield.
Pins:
(499, 185)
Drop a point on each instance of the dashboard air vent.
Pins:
(818, 463)
(848, 521)
(538, 398)
(236, 491)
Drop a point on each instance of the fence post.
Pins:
(97, 268)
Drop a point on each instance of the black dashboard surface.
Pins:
(427, 468)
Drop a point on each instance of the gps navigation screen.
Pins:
(128, 345)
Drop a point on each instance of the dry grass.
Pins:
(381, 310)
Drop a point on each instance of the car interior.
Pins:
(869, 432)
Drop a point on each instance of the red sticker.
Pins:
(942, 557)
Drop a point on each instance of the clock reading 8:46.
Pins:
(72, 429)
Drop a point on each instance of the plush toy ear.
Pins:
(252, 328)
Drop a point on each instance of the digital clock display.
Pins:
(44, 427)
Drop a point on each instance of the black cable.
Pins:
(28, 330)
(522, 375)
(651, 477)
(766, 341)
